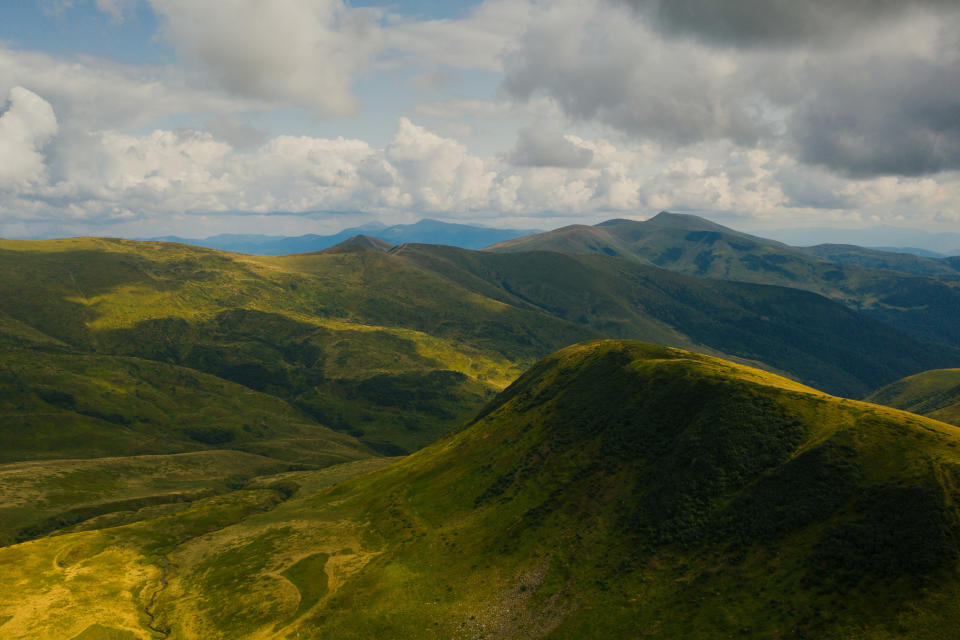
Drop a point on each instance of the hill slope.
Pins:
(920, 305)
(396, 347)
(616, 486)
(815, 340)
(67, 405)
(318, 330)
(932, 393)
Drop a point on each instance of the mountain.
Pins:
(946, 243)
(817, 341)
(615, 487)
(397, 346)
(426, 231)
(922, 306)
(895, 261)
(923, 253)
(354, 338)
(932, 393)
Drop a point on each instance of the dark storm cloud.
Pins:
(538, 147)
(883, 117)
(772, 22)
(883, 101)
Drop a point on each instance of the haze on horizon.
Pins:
(154, 117)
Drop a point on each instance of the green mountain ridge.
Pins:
(396, 346)
(816, 341)
(918, 304)
(932, 393)
(614, 487)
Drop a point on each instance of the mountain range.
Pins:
(424, 231)
(578, 433)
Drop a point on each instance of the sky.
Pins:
(142, 118)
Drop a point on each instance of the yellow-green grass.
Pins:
(67, 405)
(932, 393)
(42, 497)
(615, 487)
(320, 330)
(291, 326)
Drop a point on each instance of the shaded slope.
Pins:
(812, 338)
(62, 405)
(921, 305)
(932, 393)
(616, 486)
(889, 260)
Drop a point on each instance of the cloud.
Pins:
(299, 52)
(600, 63)
(478, 41)
(881, 117)
(539, 147)
(773, 22)
(93, 94)
(884, 103)
(111, 181)
(25, 127)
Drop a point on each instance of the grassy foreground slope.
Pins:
(932, 393)
(615, 487)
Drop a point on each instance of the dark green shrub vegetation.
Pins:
(898, 530)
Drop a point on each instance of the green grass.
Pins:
(932, 393)
(63, 405)
(310, 578)
(307, 329)
(40, 497)
(437, 330)
(616, 486)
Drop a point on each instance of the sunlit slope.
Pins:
(396, 348)
(932, 393)
(38, 498)
(319, 330)
(805, 335)
(916, 303)
(616, 486)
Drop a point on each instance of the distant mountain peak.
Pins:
(686, 221)
(364, 241)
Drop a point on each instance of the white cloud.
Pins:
(25, 127)
(93, 94)
(300, 52)
(478, 41)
